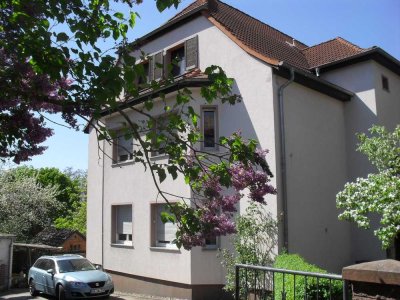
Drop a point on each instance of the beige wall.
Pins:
(94, 195)
(371, 105)
(316, 170)
(130, 184)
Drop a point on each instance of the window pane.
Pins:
(166, 232)
(209, 128)
(124, 220)
(178, 61)
(124, 148)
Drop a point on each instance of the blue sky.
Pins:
(365, 23)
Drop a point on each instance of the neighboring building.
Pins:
(66, 239)
(6, 258)
(335, 89)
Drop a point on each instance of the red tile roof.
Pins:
(331, 51)
(270, 42)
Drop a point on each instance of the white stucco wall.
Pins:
(94, 195)
(371, 105)
(129, 184)
(316, 170)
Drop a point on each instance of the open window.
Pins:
(122, 224)
(163, 234)
(181, 58)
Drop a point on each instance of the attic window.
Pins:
(178, 61)
(385, 83)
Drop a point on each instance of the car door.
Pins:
(48, 278)
(37, 274)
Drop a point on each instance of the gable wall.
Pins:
(253, 117)
(316, 170)
(371, 105)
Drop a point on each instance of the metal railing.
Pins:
(267, 283)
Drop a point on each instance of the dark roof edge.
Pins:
(311, 81)
(184, 83)
(151, 94)
(171, 24)
(375, 53)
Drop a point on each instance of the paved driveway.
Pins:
(23, 294)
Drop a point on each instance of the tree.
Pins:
(52, 62)
(75, 220)
(377, 193)
(70, 189)
(254, 244)
(25, 206)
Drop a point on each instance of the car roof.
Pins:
(62, 257)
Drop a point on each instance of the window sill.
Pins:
(123, 163)
(211, 248)
(165, 249)
(159, 157)
(122, 246)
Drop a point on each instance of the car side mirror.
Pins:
(50, 271)
(99, 267)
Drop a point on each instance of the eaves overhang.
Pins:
(312, 81)
(375, 53)
(152, 94)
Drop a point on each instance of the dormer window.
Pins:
(178, 61)
(144, 70)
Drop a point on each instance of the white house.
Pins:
(303, 103)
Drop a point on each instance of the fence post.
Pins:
(237, 282)
(345, 290)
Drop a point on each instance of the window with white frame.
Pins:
(162, 134)
(123, 148)
(163, 233)
(209, 127)
(122, 224)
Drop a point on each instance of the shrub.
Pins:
(301, 287)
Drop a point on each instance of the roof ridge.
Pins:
(344, 41)
(257, 20)
(181, 12)
(339, 39)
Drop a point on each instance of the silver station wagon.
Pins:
(68, 277)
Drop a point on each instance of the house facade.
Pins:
(304, 104)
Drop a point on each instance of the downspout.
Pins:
(102, 210)
(10, 263)
(282, 139)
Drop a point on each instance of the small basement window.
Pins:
(385, 83)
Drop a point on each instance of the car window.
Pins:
(39, 263)
(73, 265)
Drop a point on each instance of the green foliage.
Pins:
(26, 207)
(254, 244)
(303, 286)
(76, 219)
(70, 188)
(378, 193)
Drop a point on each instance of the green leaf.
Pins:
(119, 15)
(161, 174)
(62, 37)
(132, 19)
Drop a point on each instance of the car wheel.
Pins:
(60, 293)
(32, 288)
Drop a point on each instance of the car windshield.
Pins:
(73, 265)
